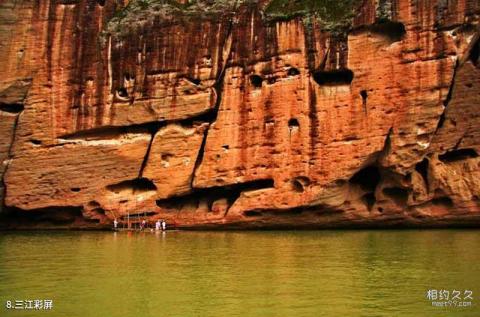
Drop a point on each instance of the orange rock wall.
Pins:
(239, 122)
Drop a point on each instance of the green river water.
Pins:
(273, 273)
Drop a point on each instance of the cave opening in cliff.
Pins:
(293, 124)
(122, 92)
(138, 185)
(300, 183)
(281, 213)
(397, 194)
(256, 81)
(367, 178)
(11, 107)
(475, 54)
(195, 81)
(443, 201)
(364, 96)
(252, 213)
(292, 71)
(394, 31)
(211, 194)
(369, 200)
(51, 215)
(333, 77)
(422, 169)
(458, 155)
(99, 211)
(297, 186)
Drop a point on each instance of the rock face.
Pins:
(240, 114)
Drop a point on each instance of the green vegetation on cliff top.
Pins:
(329, 11)
(334, 14)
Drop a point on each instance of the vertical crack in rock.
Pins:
(441, 120)
(199, 159)
(9, 157)
(457, 145)
(147, 153)
(459, 63)
(312, 114)
(226, 53)
(386, 147)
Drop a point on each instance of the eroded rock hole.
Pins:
(292, 71)
(443, 201)
(269, 120)
(297, 186)
(138, 184)
(364, 95)
(395, 31)
(51, 215)
(256, 81)
(99, 211)
(271, 80)
(252, 213)
(293, 124)
(194, 81)
(165, 157)
(422, 169)
(35, 141)
(369, 200)
(397, 194)
(300, 183)
(94, 204)
(231, 193)
(368, 178)
(122, 92)
(12, 108)
(475, 54)
(458, 155)
(75, 189)
(333, 77)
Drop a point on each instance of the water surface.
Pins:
(327, 273)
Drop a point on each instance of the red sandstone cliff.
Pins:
(215, 119)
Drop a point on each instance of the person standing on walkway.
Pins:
(164, 225)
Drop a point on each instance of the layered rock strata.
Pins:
(240, 114)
